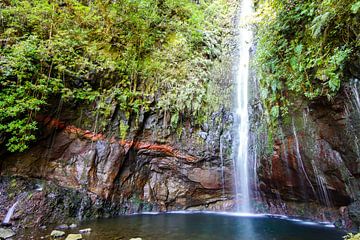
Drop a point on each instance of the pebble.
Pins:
(86, 230)
(57, 233)
(73, 237)
(62, 226)
(73, 225)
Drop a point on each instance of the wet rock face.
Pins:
(87, 175)
(301, 177)
(71, 162)
(316, 156)
(53, 204)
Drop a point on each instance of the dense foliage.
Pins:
(303, 48)
(135, 54)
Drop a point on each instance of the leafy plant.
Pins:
(303, 48)
(126, 53)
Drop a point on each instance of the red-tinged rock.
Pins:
(208, 178)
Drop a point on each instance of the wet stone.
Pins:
(74, 237)
(86, 230)
(73, 225)
(57, 233)
(62, 226)
(6, 233)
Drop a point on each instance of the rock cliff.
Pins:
(87, 175)
(315, 157)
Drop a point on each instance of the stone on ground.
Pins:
(86, 230)
(73, 225)
(6, 233)
(57, 233)
(73, 237)
(62, 226)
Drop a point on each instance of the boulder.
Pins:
(57, 233)
(73, 237)
(6, 233)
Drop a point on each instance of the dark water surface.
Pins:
(207, 226)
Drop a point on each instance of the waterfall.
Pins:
(11, 210)
(321, 182)
(240, 156)
(222, 167)
(323, 195)
(354, 99)
(10, 213)
(355, 85)
(299, 160)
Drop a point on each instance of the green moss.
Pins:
(13, 183)
(123, 130)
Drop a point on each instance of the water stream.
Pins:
(323, 194)
(222, 168)
(321, 182)
(11, 210)
(354, 87)
(10, 213)
(299, 160)
(354, 98)
(241, 163)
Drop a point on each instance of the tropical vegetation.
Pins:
(136, 54)
(303, 50)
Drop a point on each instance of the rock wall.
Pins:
(87, 175)
(315, 159)
(311, 170)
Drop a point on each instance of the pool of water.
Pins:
(207, 226)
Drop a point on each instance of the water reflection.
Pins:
(207, 226)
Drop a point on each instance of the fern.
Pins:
(319, 23)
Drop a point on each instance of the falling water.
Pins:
(241, 111)
(254, 167)
(299, 159)
(323, 194)
(11, 210)
(222, 167)
(10, 213)
(354, 99)
(321, 182)
(284, 149)
(285, 154)
(355, 86)
(353, 114)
